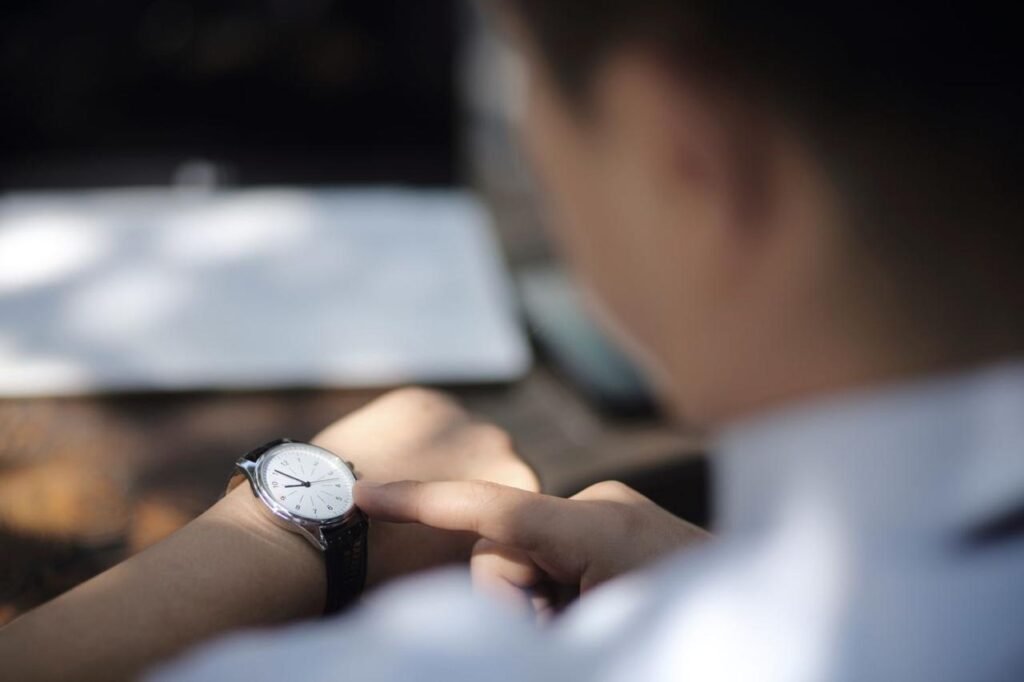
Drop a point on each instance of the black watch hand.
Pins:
(297, 485)
(304, 483)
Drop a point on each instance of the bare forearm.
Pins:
(228, 569)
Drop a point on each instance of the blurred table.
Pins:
(85, 482)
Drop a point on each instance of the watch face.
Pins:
(307, 481)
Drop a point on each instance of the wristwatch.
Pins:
(308, 490)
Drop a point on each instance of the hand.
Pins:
(415, 434)
(530, 542)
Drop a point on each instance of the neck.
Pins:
(828, 357)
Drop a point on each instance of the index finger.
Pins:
(499, 513)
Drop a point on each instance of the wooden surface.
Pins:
(85, 482)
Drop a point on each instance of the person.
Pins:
(802, 218)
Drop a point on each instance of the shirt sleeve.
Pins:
(427, 628)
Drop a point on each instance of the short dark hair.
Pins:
(912, 108)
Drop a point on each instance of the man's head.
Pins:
(770, 201)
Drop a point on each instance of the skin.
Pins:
(710, 241)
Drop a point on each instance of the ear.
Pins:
(700, 154)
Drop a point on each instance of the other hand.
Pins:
(421, 435)
(529, 542)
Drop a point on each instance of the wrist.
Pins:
(284, 564)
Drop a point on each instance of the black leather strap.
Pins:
(345, 560)
(254, 455)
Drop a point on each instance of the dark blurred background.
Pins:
(123, 92)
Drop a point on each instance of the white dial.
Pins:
(307, 481)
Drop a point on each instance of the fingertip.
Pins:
(368, 485)
(385, 501)
(367, 493)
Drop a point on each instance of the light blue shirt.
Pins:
(873, 536)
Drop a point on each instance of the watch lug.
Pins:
(314, 533)
(246, 466)
(245, 470)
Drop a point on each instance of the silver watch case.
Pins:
(310, 529)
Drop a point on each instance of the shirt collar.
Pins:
(920, 459)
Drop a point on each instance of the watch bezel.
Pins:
(312, 529)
